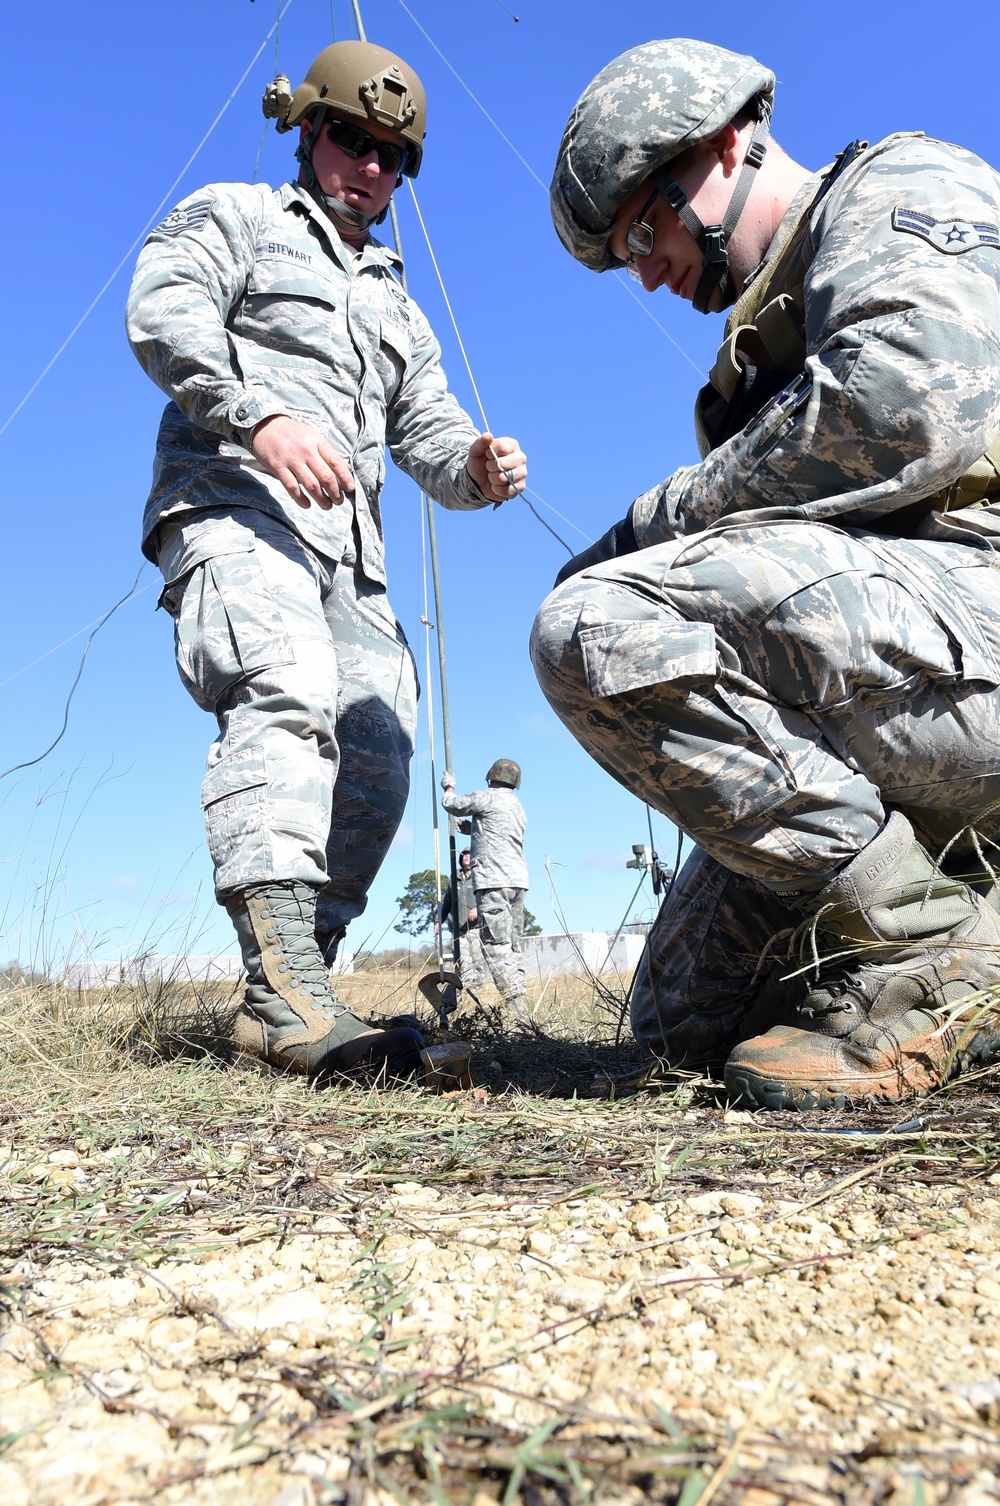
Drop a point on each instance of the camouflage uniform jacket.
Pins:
(246, 303)
(901, 392)
(497, 844)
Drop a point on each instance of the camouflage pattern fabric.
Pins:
(246, 303)
(772, 688)
(902, 389)
(501, 925)
(497, 844)
(472, 966)
(701, 986)
(314, 688)
(466, 901)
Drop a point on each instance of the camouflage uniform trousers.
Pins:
(315, 692)
(472, 967)
(774, 689)
(705, 982)
(501, 922)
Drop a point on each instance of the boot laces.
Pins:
(833, 987)
(301, 956)
(827, 972)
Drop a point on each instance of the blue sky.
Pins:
(101, 845)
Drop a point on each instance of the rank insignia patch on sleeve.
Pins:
(186, 217)
(950, 236)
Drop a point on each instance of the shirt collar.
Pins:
(373, 253)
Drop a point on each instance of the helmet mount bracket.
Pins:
(387, 100)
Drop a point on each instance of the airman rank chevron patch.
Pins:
(187, 217)
(950, 236)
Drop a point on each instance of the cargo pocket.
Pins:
(186, 544)
(228, 627)
(234, 799)
(715, 755)
(723, 762)
(619, 657)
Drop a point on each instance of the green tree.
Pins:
(418, 905)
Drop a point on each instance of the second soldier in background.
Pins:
(499, 874)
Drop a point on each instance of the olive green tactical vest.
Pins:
(766, 328)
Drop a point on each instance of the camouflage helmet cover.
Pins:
(642, 110)
(359, 79)
(505, 771)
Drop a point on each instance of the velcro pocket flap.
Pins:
(191, 543)
(236, 772)
(277, 279)
(619, 657)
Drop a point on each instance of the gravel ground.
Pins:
(219, 1287)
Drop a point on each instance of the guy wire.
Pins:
(142, 233)
(274, 31)
(267, 123)
(465, 357)
(447, 304)
(621, 280)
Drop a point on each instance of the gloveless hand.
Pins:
(489, 461)
(300, 458)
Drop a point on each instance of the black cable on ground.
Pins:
(30, 763)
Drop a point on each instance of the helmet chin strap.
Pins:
(346, 214)
(714, 239)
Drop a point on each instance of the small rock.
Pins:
(294, 1495)
(648, 1222)
(578, 1293)
(737, 1204)
(414, 1195)
(707, 1203)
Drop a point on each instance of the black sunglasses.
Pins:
(392, 158)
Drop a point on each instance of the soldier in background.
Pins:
(792, 648)
(276, 324)
(471, 962)
(499, 874)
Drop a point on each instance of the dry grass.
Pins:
(134, 1145)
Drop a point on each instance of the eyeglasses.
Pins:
(640, 237)
(392, 158)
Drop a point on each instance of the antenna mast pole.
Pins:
(436, 578)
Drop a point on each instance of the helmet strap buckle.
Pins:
(714, 246)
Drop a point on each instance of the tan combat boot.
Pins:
(290, 1017)
(900, 946)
